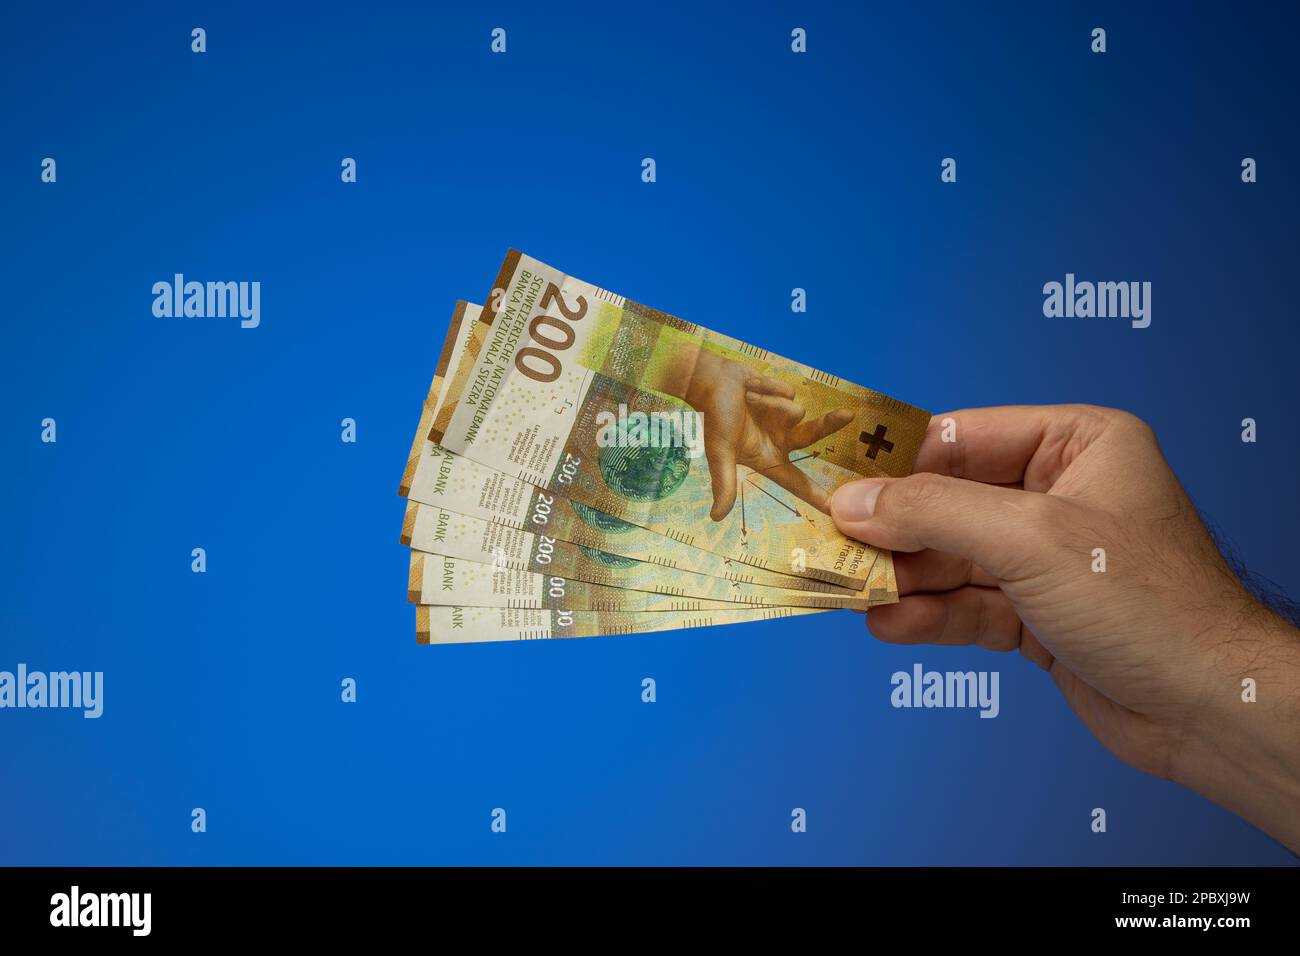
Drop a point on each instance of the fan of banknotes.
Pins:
(586, 466)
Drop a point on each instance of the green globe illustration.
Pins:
(644, 474)
(607, 559)
(601, 521)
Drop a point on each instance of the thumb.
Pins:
(1000, 529)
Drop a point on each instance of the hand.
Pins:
(750, 420)
(1002, 527)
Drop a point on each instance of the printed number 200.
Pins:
(537, 363)
(568, 468)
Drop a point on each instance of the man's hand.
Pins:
(1004, 528)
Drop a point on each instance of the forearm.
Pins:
(1243, 750)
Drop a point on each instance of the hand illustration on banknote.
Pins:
(750, 420)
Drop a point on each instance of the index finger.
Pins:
(1027, 444)
(769, 386)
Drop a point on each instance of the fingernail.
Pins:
(856, 501)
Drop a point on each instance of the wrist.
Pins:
(706, 369)
(673, 371)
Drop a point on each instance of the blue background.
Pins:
(775, 170)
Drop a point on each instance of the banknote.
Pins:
(438, 579)
(439, 531)
(438, 477)
(670, 426)
(467, 625)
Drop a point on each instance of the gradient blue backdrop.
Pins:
(774, 171)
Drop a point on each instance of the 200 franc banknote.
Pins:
(441, 532)
(438, 477)
(468, 625)
(439, 579)
(668, 425)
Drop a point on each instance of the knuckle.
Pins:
(1129, 424)
(1046, 512)
(1073, 528)
(1044, 525)
(917, 491)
